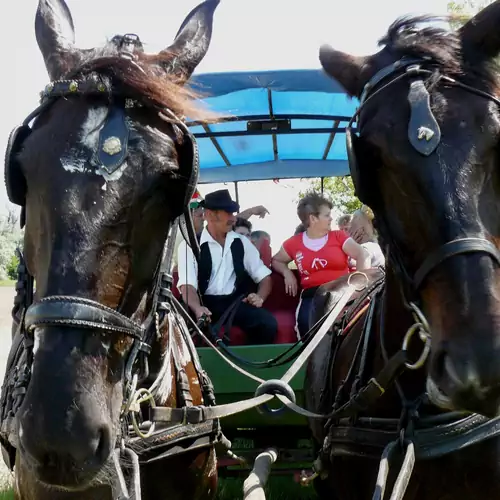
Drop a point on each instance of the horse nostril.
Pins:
(103, 448)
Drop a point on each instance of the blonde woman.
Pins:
(363, 232)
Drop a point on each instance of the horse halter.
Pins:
(424, 135)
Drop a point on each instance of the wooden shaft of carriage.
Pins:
(253, 487)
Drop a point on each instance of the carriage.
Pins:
(278, 125)
(104, 394)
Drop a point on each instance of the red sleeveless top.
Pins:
(321, 266)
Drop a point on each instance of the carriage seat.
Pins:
(280, 304)
(265, 252)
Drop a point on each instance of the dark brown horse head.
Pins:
(96, 226)
(428, 164)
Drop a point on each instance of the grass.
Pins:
(6, 283)
(278, 488)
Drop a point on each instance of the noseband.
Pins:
(424, 135)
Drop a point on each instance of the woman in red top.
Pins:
(319, 253)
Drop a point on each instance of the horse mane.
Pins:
(407, 37)
(146, 78)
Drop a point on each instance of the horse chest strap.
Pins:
(424, 133)
(113, 140)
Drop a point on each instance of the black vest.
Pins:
(244, 283)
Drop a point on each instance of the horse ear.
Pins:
(192, 41)
(344, 68)
(480, 36)
(55, 35)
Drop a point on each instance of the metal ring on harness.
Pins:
(425, 338)
(419, 316)
(274, 386)
(360, 289)
(136, 408)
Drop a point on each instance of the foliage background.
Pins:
(11, 237)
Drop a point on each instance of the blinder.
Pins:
(363, 178)
(15, 183)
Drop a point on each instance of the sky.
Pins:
(247, 35)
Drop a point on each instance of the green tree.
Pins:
(11, 267)
(463, 10)
(11, 237)
(341, 192)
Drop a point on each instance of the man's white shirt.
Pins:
(222, 278)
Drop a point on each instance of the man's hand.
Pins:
(254, 299)
(260, 211)
(200, 311)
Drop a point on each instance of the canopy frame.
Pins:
(220, 159)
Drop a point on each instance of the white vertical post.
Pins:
(253, 487)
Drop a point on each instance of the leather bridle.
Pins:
(424, 135)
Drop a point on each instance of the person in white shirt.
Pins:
(344, 222)
(230, 267)
(361, 230)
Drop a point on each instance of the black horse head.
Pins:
(427, 162)
(102, 175)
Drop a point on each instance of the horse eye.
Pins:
(122, 345)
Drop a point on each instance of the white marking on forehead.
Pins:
(73, 163)
(89, 137)
(92, 127)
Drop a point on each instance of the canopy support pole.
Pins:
(216, 144)
(271, 115)
(236, 192)
(322, 185)
(331, 138)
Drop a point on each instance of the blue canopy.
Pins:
(282, 124)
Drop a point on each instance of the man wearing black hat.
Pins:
(230, 267)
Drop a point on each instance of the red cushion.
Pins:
(286, 327)
(279, 299)
(265, 252)
(237, 336)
